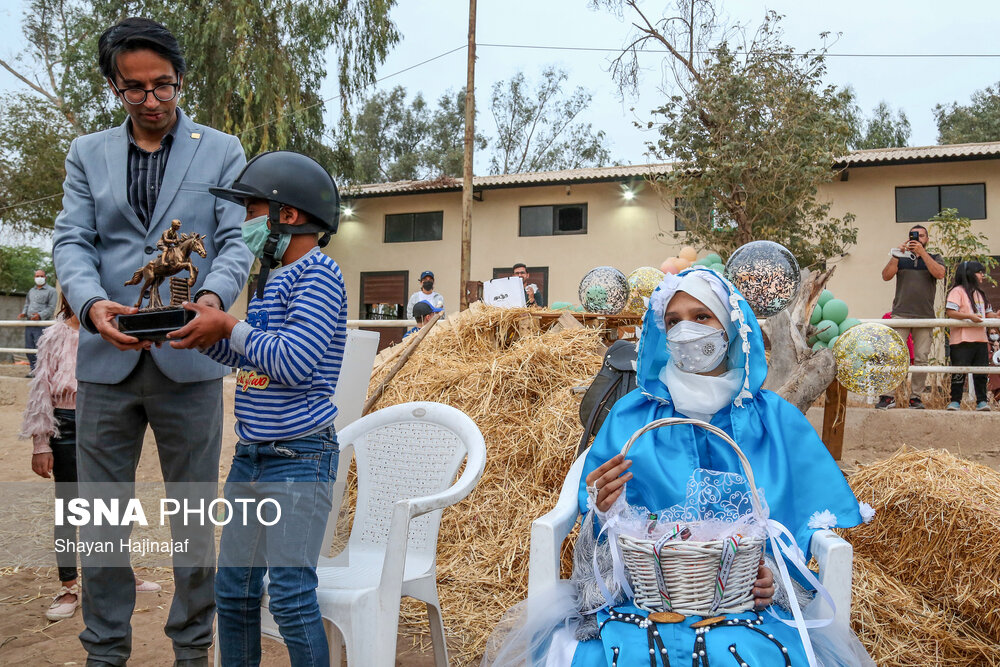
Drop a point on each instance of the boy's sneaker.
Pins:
(885, 402)
(982, 406)
(916, 403)
(954, 405)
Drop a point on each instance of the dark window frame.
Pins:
(413, 218)
(555, 231)
(943, 185)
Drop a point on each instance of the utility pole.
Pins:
(470, 133)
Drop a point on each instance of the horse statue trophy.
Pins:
(156, 320)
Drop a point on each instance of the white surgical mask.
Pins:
(696, 348)
(994, 337)
(39, 281)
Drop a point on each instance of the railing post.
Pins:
(834, 419)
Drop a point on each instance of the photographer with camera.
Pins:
(916, 272)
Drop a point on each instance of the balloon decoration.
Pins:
(641, 284)
(829, 320)
(766, 274)
(603, 290)
(871, 359)
(688, 253)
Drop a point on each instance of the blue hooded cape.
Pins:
(789, 462)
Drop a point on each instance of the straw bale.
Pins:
(935, 528)
(514, 383)
(902, 628)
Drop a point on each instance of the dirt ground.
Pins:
(26, 638)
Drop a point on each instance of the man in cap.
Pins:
(425, 293)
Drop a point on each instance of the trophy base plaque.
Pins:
(154, 323)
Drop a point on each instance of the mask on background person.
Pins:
(696, 348)
(994, 337)
(39, 281)
(255, 232)
(427, 285)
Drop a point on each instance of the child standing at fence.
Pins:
(969, 347)
(50, 422)
(289, 351)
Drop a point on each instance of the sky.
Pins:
(910, 28)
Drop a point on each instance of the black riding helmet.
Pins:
(286, 178)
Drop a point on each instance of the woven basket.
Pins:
(686, 571)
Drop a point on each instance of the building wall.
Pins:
(630, 234)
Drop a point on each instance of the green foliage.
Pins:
(750, 127)
(883, 129)
(977, 121)
(537, 129)
(18, 265)
(957, 242)
(391, 140)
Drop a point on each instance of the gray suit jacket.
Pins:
(99, 241)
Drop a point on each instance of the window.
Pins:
(406, 227)
(920, 204)
(553, 220)
(383, 297)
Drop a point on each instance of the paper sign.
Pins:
(504, 293)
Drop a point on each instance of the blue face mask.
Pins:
(255, 232)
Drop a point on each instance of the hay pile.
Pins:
(927, 569)
(513, 380)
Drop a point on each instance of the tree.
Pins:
(883, 129)
(255, 68)
(749, 126)
(390, 139)
(537, 130)
(18, 265)
(957, 242)
(977, 121)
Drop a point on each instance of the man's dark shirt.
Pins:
(915, 287)
(145, 174)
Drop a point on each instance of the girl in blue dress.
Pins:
(701, 355)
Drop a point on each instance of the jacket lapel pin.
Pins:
(196, 135)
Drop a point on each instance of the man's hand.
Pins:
(918, 249)
(608, 481)
(41, 464)
(211, 300)
(21, 316)
(35, 316)
(763, 588)
(102, 315)
(208, 327)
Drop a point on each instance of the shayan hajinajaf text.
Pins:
(138, 547)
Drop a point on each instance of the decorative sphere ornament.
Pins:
(817, 315)
(683, 263)
(826, 330)
(766, 274)
(688, 253)
(719, 268)
(603, 290)
(819, 345)
(871, 359)
(641, 284)
(848, 323)
(835, 310)
(712, 258)
(824, 296)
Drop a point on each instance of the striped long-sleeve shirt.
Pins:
(289, 352)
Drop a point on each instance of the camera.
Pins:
(914, 235)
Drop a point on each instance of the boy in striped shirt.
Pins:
(289, 352)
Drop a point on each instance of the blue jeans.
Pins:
(299, 475)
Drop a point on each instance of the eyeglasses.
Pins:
(136, 96)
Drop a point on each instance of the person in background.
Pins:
(423, 311)
(532, 295)
(425, 293)
(916, 272)
(969, 346)
(39, 304)
(50, 422)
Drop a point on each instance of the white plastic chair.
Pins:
(407, 458)
(834, 554)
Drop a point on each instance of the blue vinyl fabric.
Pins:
(790, 463)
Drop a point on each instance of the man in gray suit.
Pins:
(123, 188)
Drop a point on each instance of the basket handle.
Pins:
(675, 421)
